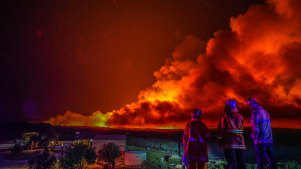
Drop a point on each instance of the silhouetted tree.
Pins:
(79, 157)
(109, 153)
(16, 149)
(42, 161)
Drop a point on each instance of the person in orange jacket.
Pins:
(230, 136)
(195, 137)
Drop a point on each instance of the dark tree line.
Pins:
(79, 156)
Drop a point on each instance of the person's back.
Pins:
(230, 135)
(262, 135)
(230, 131)
(261, 125)
(195, 139)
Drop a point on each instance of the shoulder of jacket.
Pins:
(260, 110)
(223, 115)
(239, 115)
(188, 123)
(202, 123)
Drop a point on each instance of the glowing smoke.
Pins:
(76, 119)
(260, 56)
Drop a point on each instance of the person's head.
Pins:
(231, 106)
(252, 102)
(196, 114)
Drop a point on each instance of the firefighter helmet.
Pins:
(231, 106)
(251, 100)
(196, 113)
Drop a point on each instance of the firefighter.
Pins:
(261, 133)
(196, 135)
(230, 136)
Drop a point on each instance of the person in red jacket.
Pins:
(195, 137)
(230, 136)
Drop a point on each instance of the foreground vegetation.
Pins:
(160, 160)
(163, 151)
(155, 160)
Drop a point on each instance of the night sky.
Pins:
(81, 57)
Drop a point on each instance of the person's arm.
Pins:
(242, 123)
(207, 133)
(255, 123)
(220, 130)
(186, 135)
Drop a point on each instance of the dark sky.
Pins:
(93, 55)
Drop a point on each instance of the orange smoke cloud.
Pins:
(259, 57)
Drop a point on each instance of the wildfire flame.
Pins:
(259, 56)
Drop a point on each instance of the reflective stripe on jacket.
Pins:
(261, 131)
(195, 137)
(230, 131)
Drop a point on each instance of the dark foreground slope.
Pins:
(287, 141)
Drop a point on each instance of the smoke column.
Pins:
(260, 56)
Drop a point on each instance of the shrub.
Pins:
(149, 165)
(79, 157)
(42, 161)
(109, 153)
(289, 164)
(16, 149)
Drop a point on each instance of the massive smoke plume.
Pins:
(260, 56)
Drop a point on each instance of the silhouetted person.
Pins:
(196, 135)
(261, 133)
(230, 136)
